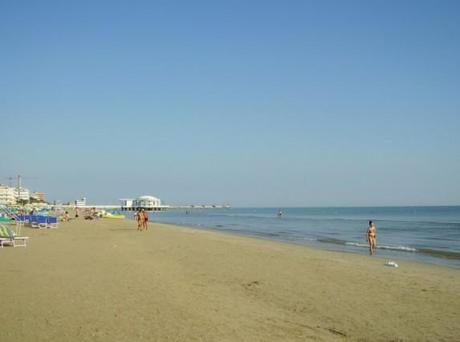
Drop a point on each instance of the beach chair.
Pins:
(42, 222)
(20, 218)
(52, 222)
(8, 237)
(33, 221)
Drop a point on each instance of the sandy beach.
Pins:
(103, 280)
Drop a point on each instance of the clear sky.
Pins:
(251, 103)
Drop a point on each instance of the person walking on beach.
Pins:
(371, 236)
(139, 218)
(145, 220)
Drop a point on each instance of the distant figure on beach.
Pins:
(139, 218)
(145, 220)
(280, 213)
(371, 237)
(88, 214)
(77, 212)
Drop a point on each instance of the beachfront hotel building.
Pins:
(12, 195)
(143, 202)
(22, 194)
(8, 195)
(38, 196)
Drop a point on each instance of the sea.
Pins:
(422, 234)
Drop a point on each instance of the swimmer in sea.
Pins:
(371, 237)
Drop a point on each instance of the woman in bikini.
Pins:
(140, 219)
(371, 237)
(145, 220)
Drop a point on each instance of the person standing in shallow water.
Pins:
(372, 237)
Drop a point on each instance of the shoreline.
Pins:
(313, 246)
(103, 280)
(421, 255)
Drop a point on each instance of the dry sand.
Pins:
(104, 281)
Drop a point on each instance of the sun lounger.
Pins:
(42, 221)
(21, 218)
(33, 221)
(8, 237)
(4, 242)
(52, 222)
(17, 241)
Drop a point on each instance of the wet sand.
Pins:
(104, 281)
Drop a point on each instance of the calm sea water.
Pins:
(425, 234)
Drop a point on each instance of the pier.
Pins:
(148, 208)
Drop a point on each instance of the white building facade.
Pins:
(80, 202)
(126, 203)
(146, 202)
(8, 195)
(22, 194)
(143, 202)
(12, 195)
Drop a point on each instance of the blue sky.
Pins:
(252, 103)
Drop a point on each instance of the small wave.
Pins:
(428, 251)
(356, 244)
(440, 254)
(393, 248)
(333, 241)
(399, 248)
(269, 234)
(363, 245)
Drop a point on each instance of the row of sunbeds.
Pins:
(9, 237)
(38, 221)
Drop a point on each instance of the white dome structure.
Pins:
(147, 202)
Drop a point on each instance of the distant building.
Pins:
(80, 202)
(13, 195)
(8, 195)
(22, 194)
(143, 202)
(39, 196)
(147, 202)
(126, 203)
